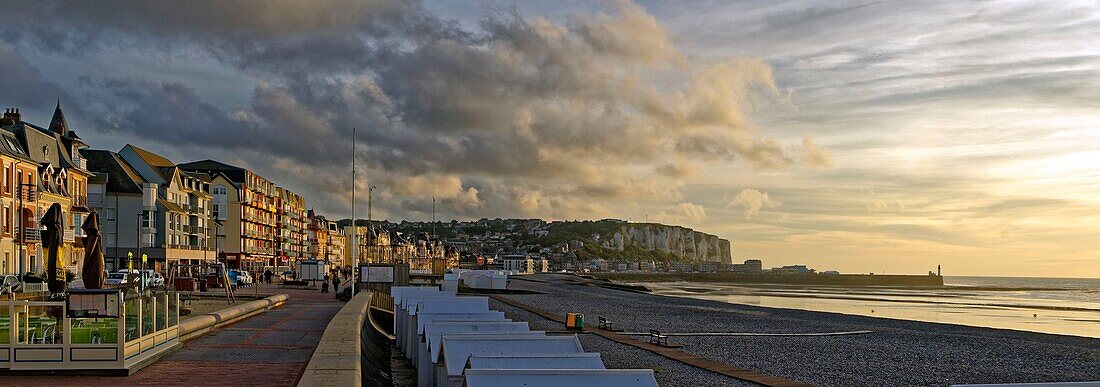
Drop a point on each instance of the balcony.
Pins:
(80, 201)
(31, 234)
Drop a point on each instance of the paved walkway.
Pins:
(269, 349)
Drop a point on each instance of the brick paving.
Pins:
(269, 349)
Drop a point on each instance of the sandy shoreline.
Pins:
(899, 352)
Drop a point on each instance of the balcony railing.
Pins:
(31, 234)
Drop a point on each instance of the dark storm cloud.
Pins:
(532, 101)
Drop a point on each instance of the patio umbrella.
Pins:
(93, 253)
(51, 242)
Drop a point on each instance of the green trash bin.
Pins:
(574, 321)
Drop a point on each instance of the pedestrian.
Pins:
(324, 284)
(267, 275)
(335, 284)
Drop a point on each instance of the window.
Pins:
(109, 214)
(78, 220)
(149, 219)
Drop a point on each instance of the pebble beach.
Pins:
(896, 352)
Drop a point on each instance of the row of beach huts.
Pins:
(456, 341)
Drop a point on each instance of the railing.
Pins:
(31, 234)
(34, 287)
(80, 201)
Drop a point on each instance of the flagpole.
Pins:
(354, 228)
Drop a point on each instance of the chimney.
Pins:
(11, 117)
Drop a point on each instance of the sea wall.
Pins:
(785, 279)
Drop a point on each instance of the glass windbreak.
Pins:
(94, 330)
(147, 313)
(162, 311)
(173, 309)
(132, 323)
(5, 325)
(45, 324)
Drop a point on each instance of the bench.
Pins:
(604, 323)
(655, 337)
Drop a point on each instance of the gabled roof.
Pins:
(154, 160)
(121, 177)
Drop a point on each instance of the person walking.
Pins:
(336, 284)
(324, 284)
(267, 275)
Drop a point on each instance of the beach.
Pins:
(896, 352)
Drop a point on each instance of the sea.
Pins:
(1064, 306)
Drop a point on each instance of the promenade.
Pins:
(270, 349)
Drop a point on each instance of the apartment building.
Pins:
(293, 238)
(319, 247)
(149, 206)
(336, 242)
(245, 213)
(42, 166)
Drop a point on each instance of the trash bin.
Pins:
(574, 321)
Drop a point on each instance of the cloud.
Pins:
(752, 202)
(496, 111)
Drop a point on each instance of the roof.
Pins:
(57, 123)
(233, 173)
(11, 146)
(457, 349)
(557, 378)
(561, 361)
(171, 207)
(436, 347)
(450, 305)
(154, 160)
(434, 332)
(121, 177)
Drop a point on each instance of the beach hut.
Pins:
(559, 378)
(398, 293)
(451, 305)
(561, 361)
(450, 283)
(455, 350)
(414, 331)
(430, 355)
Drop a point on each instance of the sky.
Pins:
(859, 136)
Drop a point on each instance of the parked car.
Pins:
(152, 278)
(117, 279)
(244, 278)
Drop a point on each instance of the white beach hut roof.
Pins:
(437, 349)
(457, 349)
(559, 378)
(563, 361)
(433, 331)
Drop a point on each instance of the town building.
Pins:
(142, 196)
(42, 166)
(336, 242)
(245, 207)
(292, 225)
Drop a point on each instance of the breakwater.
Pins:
(783, 279)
